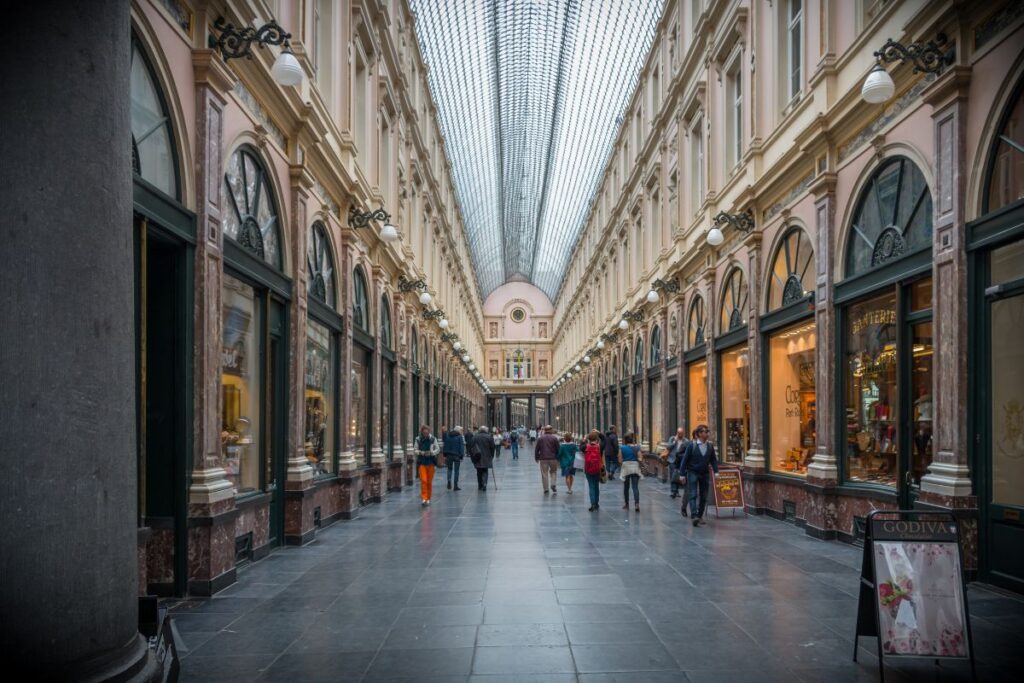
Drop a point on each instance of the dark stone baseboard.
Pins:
(303, 539)
(205, 589)
(161, 590)
(261, 552)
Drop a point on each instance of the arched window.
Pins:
(386, 337)
(638, 356)
(695, 323)
(1006, 173)
(655, 346)
(414, 346)
(734, 303)
(792, 274)
(320, 264)
(360, 302)
(893, 217)
(153, 156)
(625, 363)
(250, 217)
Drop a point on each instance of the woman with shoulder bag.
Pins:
(567, 459)
(629, 466)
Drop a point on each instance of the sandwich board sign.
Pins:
(728, 486)
(912, 597)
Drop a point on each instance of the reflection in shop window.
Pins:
(791, 398)
(240, 379)
(697, 398)
(735, 404)
(359, 384)
(320, 397)
(871, 390)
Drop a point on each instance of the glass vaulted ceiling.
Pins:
(530, 94)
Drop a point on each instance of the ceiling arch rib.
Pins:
(528, 94)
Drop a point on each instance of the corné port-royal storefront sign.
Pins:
(913, 597)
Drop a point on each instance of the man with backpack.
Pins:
(592, 468)
(611, 452)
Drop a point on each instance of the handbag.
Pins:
(578, 462)
(604, 474)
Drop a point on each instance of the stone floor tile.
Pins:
(523, 660)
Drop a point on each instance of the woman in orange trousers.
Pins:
(426, 461)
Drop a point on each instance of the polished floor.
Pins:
(513, 585)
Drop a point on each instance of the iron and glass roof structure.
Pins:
(530, 95)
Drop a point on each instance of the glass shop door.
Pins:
(277, 418)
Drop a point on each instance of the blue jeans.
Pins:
(454, 462)
(611, 463)
(634, 480)
(594, 484)
(673, 477)
(515, 449)
(698, 488)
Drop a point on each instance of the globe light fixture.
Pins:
(715, 236)
(600, 344)
(456, 345)
(653, 296)
(425, 298)
(586, 359)
(234, 43)
(577, 368)
(623, 325)
(286, 70)
(472, 366)
(443, 324)
(465, 358)
(389, 233)
(878, 86)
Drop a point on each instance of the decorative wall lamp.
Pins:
(930, 58)
(446, 337)
(361, 219)
(670, 286)
(237, 42)
(433, 315)
(744, 222)
(630, 317)
(406, 285)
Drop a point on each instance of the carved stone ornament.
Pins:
(251, 237)
(793, 291)
(889, 245)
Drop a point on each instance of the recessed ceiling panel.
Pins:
(529, 93)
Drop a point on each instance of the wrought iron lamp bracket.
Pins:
(744, 221)
(927, 57)
(237, 42)
(406, 285)
(445, 337)
(633, 316)
(361, 219)
(433, 315)
(670, 286)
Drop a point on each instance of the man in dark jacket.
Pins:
(676, 447)
(611, 452)
(454, 450)
(482, 452)
(546, 454)
(698, 458)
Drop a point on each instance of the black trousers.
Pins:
(481, 476)
(698, 486)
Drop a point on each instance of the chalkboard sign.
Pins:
(728, 487)
(913, 598)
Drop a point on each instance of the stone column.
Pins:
(68, 607)
(374, 481)
(299, 505)
(211, 495)
(823, 470)
(754, 458)
(349, 483)
(948, 481)
(710, 285)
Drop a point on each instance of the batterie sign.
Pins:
(728, 484)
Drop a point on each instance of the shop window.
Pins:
(241, 380)
(870, 362)
(697, 399)
(625, 363)
(791, 398)
(359, 382)
(413, 348)
(153, 156)
(638, 356)
(695, 324)
(922, 352)
(386, 335)
(792, 274)
(733, 314)
(1006, 179)
(893, 217)
(250, 217)
(321, 397)
(656, 430)
(655, 346)
(360, 302)
(320, 265)
(735, 414)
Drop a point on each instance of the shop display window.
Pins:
(735, 415)
(921, 399)
(321, 397)
(872, 418)
(359, 385)
(241, 380)
(697, 398)
(792, 398)
(657, 433)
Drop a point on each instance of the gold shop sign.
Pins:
(878, 317)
